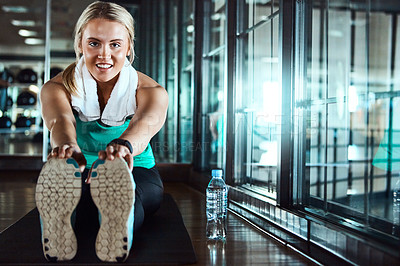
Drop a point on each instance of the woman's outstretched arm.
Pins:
(152, 105)
(59, 119)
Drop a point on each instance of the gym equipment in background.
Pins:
(27, 75)
(7, 76)
(24, 121)
(5, 122)
(53, 72)
(3, 100)
(26, 97)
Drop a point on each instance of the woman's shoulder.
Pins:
(54, 85)
(145, 81)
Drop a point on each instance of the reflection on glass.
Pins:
(214, 86)
(258, 99)
(186, 86)
(164, 143)
(352, 119)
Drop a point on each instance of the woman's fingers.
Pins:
(102, 155)
(89, 176)
(50, 155)
(66, 151)
(61, 151)
(80, 159)
(53, 153)
(110, 152)
(129, 160)
(117, 151)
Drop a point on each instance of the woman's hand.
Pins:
(112, 151)
(69, 150)
(120, 151)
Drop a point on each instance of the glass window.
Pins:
(258, 97)
(171, 54)
(352, 114)
(164, 41)
(170, 126)
(214, 85)
(186, 91)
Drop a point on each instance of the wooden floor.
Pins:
(17, 198)
(244, 245)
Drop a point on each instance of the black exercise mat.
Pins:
(163, 239)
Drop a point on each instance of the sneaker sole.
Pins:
(58, 192)
(113, 192)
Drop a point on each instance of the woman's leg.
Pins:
(148, 197)
(87, 222)
(148, 194)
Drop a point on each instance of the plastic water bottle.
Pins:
(396, 208)
(217, 199)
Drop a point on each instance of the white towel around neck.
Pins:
(122, 101)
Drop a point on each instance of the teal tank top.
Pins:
(93, 137)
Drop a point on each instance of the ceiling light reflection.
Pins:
(34, 41)
(23, 23)
(27, 33)
(15, 9)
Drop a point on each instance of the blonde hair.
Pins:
(97, 10)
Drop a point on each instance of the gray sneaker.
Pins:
(58, 192)
(113, 191)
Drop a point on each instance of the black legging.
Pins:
(148, 196)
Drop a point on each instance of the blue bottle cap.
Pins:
(216, 172)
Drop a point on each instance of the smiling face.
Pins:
(105, 45)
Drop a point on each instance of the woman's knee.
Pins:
(149, 188)
(151, 197)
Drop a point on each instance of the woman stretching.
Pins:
(101, 114)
